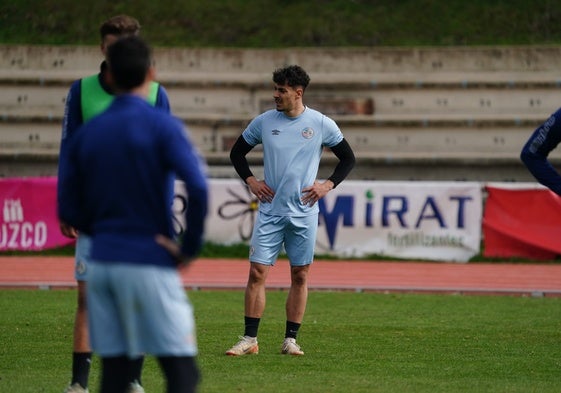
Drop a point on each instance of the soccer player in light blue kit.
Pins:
(293, 137)
(118, 190)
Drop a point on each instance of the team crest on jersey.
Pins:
(307, 132)
(81, 267)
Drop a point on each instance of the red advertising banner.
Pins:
(29, 220)
(522, 223)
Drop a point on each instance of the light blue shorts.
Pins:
(296, 234)
(136, 309)
(82, 257)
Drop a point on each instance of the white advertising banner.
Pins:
(232, 211)
(419, 220)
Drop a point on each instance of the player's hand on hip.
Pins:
(68, 230)
(315, 192)
(260, 189)
(174, 249)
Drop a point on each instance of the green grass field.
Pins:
(354, 342)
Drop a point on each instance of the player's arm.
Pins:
(536, 150)
(70, 209)
(185, 161)
(162, 100)
(72, 113)
(71, 122)
(346, 156)
(318, 190)
(238, 158)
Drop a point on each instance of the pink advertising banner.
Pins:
(29, 220)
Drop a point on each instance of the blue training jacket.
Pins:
(536, 150)
(119, 182)
(73, 111)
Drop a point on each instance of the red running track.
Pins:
(432, 277)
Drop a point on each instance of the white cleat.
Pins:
(289, 347)
(75, 388)
(246, 346)
(135, 387)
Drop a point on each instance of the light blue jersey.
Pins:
(292, 148)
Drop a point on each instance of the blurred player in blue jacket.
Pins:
(87, 98)
(118, 189)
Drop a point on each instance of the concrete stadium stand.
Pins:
(409, 113)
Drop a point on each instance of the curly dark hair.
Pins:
(292, 75)
(119, 25)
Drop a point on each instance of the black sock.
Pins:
(114, 374)
(81, 362)
(135, 369)
(291, 329)
(251, 326)
(182, 373)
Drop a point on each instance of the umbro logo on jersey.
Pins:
(275, 132)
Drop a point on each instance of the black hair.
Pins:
(292, 75)
(129, 59)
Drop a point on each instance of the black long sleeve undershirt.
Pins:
(347, 160)
(342, 151)
(237, 157)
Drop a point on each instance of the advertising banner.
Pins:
(231, 214)
(522, 222)
(426, 220)
(29, 219)
(420, 220)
